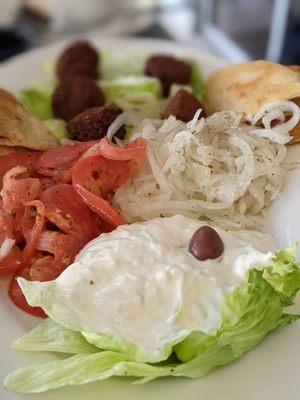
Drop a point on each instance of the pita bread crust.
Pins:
(295, 68)
(19, 128)
(246, 87)
(295, 133)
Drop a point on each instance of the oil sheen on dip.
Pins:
(140, 283)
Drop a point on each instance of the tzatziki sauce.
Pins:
(141, 284)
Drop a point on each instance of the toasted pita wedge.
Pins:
(19, 128)
(246, 87)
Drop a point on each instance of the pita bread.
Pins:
(246, 87)
(19, 128)
(295, 68)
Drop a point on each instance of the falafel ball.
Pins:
(183, 106)
(168, 70)
(72, 96)
(93, 124)
(80, 58)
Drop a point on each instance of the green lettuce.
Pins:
(58, 127)
(50, 336)
(112, 343)
(79, 369)
(117, 63)
(124, 85)
(248, 314)
(37, 103)
(197, 83)
(138, 95)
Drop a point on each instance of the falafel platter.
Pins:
(133, 206)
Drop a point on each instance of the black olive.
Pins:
(206, 244)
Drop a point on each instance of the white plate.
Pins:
(270, 371)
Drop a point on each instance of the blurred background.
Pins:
(236, 30)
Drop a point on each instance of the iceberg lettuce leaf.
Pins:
(50, 336)
(197, 83)
(248, 314)
(112, 343)
(125, 85)
(77, 370)
(58, 127)
(37, 103)
(139, 95)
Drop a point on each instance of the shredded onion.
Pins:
(6, 247)
(115, 126)
(122, 119)
(278, 112)
(219, 168)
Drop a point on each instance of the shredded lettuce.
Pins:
(139, 95)
(117, 63)
(57, 127)
(123, 85)
(197, 83)
(37, 103)
(248, 315)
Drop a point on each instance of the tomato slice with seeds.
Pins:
(58, 161)
(100, 175)
(58, 203)
(72, 226)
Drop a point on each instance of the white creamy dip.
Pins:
(141, 284)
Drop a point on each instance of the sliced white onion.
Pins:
(271, 134)
(218, 168)
(191, 125)
(115, 126)
(277, 112)
(6, 247)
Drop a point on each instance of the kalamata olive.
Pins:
(206, 244)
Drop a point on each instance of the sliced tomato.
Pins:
(58, 161)
(6, 224)
(133, 151)
(100, 175)
(18, 297)
(27, 159)
(16, 191)
(45, 268)
(63, 247)
(66, 210)
(32, 234)
(11, 263)
(101, 207)
(46, 181)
